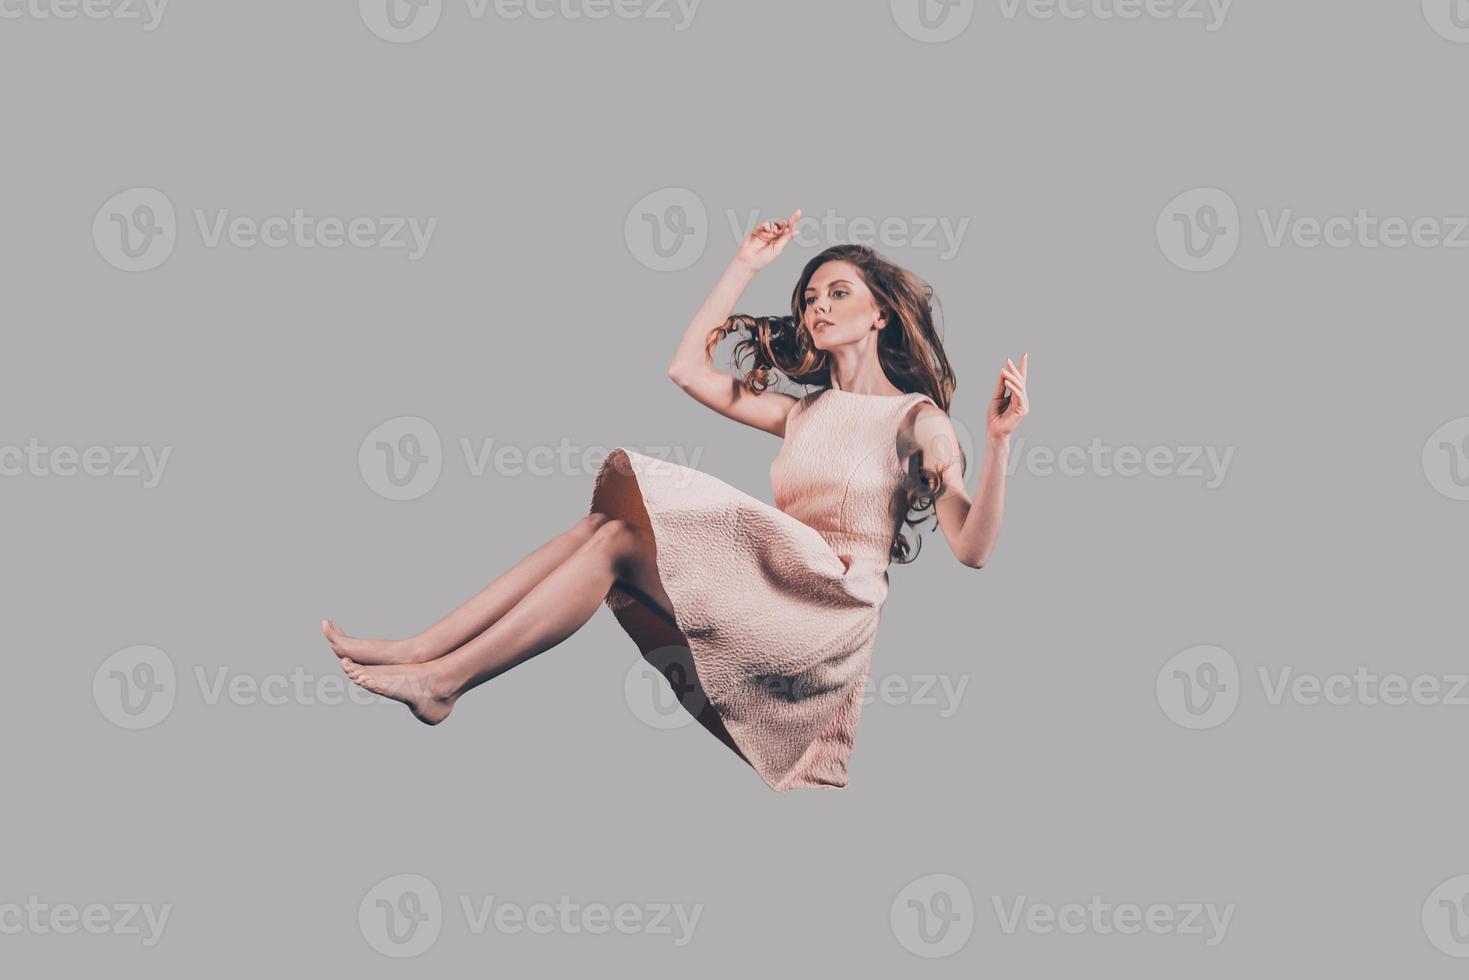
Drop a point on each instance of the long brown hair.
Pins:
(908, 347)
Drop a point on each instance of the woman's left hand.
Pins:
(1009, 404)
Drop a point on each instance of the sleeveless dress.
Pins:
(775, 609)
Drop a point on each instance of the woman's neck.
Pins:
(874, 383)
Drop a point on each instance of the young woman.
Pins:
(763, 618)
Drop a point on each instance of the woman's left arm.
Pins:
(971, 527)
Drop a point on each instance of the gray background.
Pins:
(531, 319)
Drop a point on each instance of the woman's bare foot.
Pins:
(423, 687)
(373, 651)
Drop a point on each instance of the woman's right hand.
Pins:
(765, 242)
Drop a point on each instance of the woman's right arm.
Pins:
(691, 369)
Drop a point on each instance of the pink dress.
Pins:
(776, 609)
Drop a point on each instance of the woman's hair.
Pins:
(908, 347)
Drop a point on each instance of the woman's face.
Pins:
(839, 308)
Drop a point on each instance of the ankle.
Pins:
(443, 684)
(420, 648)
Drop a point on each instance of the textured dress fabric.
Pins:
(775, 608)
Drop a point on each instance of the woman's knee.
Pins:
(622, 539)
(588, 525)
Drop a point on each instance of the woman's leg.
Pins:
(476, 615)
(554, 609)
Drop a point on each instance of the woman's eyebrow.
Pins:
(834, 282)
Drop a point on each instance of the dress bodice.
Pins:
(838, 470)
